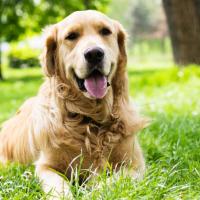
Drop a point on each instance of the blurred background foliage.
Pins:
(150, 42)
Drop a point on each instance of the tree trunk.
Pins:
(197, 5)
(183, 19)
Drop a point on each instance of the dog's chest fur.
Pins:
(88, 143)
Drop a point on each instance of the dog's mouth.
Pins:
(95, 84)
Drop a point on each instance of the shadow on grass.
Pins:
(25, 79)
(145, 72)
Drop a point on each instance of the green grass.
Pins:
(171, 144)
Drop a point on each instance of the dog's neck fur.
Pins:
(81, 119)
(75, 102)
(76, 109)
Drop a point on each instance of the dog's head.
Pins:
(86, 48)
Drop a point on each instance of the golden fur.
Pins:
(61, 123)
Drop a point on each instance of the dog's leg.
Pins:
(127, 161)
(53, 183)
(129, 153)
(135, 163)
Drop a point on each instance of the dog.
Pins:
(82, 108)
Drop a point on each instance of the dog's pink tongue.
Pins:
(96, 85)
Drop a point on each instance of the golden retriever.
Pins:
(82, 110)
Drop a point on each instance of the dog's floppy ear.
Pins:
(48, 57)
(121, 38)
(120, 81)
(122, 108)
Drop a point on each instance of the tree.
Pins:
(52, 11)
(183, 19)
(11, 27)
(148, 22)
(144, 17)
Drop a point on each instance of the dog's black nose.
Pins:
(94, 55)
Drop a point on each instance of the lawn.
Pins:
(171, 144)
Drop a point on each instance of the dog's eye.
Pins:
(72, 36)
(105, 31)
